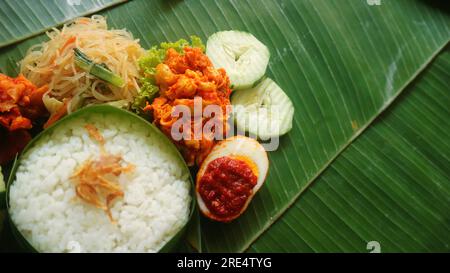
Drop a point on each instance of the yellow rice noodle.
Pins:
(52, 63)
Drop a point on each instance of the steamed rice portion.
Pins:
(46, 210)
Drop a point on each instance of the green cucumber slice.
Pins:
(265, 110)
(243, 57)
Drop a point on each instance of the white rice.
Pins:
(45, 209)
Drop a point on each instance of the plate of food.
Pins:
(122, 125)
(223, 126)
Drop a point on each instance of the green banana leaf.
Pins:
(20, 20)
(391, 186)
(343, 63)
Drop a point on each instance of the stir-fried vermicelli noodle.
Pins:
(69, 86)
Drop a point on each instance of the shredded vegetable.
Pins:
(102, 69)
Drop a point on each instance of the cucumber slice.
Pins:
(243, 57)
(265, 110)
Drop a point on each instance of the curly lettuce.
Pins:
(148, 63)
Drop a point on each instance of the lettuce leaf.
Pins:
(148, 63)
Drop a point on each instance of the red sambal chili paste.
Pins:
(226, 186)
(20, 103)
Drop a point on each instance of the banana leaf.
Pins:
(391, 186)
(15, 23)
(342, 63)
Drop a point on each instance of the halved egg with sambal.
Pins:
(230, 176)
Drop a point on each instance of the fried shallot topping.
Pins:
(97, 181)
(95, 134)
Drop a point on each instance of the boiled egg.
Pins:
(230, 176)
